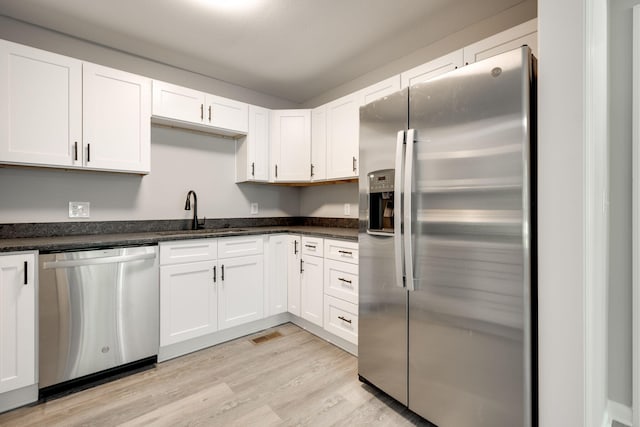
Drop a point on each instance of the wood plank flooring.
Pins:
(295, 379)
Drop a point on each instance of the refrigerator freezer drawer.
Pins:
(312, 246)
(341, 250)
(341, 318)
(341, 280)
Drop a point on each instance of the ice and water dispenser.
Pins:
(381, 193)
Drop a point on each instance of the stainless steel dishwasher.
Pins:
(98, 310)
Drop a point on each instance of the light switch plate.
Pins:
(79, 209)
(254, 208)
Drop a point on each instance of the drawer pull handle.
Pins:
(346, 252)
(310, 246)
(344, 280)
(344, 319)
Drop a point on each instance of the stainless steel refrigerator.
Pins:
(447, 245)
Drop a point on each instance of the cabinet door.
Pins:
(319, 143)
(258, 143)
(291, 145)
(17, 321)
(177, 102)
(40, 107)
(432, 69)
(226, 114)
(116, 119)
(277, 256)
(241, 290)
(381, 89)
(294, 268)
(343, 123)
(312, 289)
(523, 34)
(188, 301)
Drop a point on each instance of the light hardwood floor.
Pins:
(291, 380)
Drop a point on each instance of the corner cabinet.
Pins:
(276, 260)
(183, 107)
(343, 130)
(252, 151)
(87, 116)
(290, 146)
(17, 321)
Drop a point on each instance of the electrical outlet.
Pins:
(254, 208)
(79, 209)
(347, 209)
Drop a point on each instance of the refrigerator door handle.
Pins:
(397, 197)
(407, 211)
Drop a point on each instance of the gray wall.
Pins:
(620, 126)
(180, 161)
(52, 41)
(523, 11)
(561, 201)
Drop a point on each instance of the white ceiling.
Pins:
(293, 49)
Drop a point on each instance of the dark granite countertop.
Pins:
(91, 241)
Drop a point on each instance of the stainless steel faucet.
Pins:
(187, 207)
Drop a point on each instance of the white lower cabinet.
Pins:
(341, 318)
(17, 321)
(276, 258)
(188, 301)
(294, 269)
(200, 294)
(341, 289)
(311, 288)
(240, 290)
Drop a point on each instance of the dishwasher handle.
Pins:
(96, 261)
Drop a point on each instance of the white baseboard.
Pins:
(617, 412)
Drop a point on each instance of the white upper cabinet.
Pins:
(523, 34)
(381, 89)
(252, 152)
(290, 145)
(224, 113)
(177, 103)
(432, 69)
(60, 112)
(181, 106)
(319, 143)
(343, 123)
(40, 107)
(116, 120)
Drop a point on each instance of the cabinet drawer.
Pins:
(230, 247)
(341, 318)
(341, 250)
(188, 251)
(341, 280)
(312, 245)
